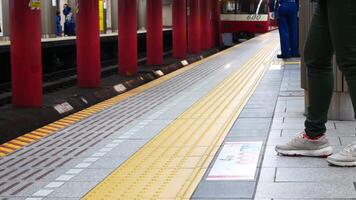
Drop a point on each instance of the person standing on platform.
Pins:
(58, 24)
(69, 25)
(286, 12)
(332, 31)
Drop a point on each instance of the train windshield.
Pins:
(244, 6)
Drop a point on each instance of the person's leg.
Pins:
(293, 29)
(342, 15)
(318, 56)
(284, 32)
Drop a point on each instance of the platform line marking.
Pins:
(83, 165)
(148, 173)
(64, 177)
(54, 185)
(26, 140)
(91, 159)
(74, 171)
(15, 144)
(19, 142)
(5, 150)
(101, 154)
(42, 193)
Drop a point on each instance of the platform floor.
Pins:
(204, 132)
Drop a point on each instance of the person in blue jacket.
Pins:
(69, 25)
(58, 24)
(286, 12)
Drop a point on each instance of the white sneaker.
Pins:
(345, 158)
(301, 145)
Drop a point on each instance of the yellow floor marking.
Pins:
(69, 120)
(23, 139)
(171, 165)
(18, 142)
(57, 125)
(292, 63)
(26, 138)
(10, 146)
(4, 149)
(61, 124)
(47, 129)
(30, 135)
(40, 132)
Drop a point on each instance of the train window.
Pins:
(228, 7)
(243, 6)
(252, 7)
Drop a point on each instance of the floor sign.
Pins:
(236, 161)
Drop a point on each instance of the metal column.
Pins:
(48, 18)
(88, 44)
(154, 32)
(127, 37)
(26, 61)
(114, 15)
(179, 28)
(6, 18)
(141, 14)
(194, 41)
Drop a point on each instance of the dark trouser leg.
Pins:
(342, 20)
(293, 29)
(317, 55)
(284, 33)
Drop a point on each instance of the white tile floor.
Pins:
(296, 177)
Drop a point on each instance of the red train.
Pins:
(245, 18)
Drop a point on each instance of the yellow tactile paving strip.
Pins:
(172, 164)
(49, 129)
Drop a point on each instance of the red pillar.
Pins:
(216, 23)
(205, 24)
(88, 44)
(179, 12)
(211, 24)
(26, 58)
(154, 32)
(194, 40)
(127, 37)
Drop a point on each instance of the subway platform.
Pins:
(206, 131)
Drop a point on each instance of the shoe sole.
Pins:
(342, 164)
(324, 152)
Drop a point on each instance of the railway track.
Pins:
(56, 81)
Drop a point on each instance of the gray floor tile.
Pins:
(334, 175)
(298, 162)
(73, 190)
(305, 190)
(225, 189)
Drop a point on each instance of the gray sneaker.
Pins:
(345, 158)
(301, 145)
